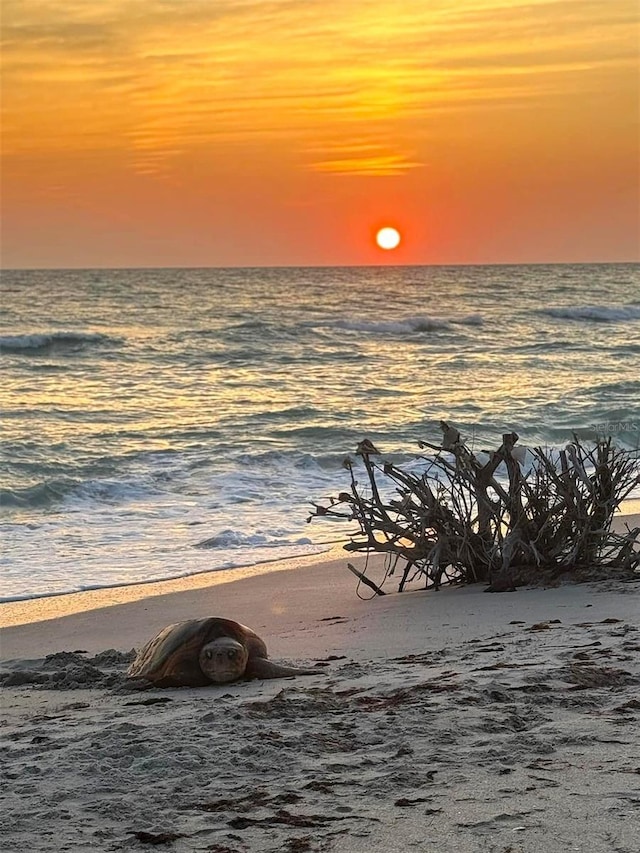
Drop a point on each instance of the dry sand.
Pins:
(449, 721)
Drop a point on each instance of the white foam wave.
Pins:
(595, 313)
(236, 539)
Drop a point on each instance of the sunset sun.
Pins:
(388, 238)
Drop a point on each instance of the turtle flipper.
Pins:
(263, 668)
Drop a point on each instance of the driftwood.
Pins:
(493, 519)
(365, 580)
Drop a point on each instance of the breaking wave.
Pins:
(235, 539)
(48, 493)
(48, 341)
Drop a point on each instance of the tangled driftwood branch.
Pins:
(465, 520)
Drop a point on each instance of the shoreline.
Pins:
(273, 598)
(272, 602)
(45, 607)
(60, 605)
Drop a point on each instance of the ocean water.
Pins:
(159, 423)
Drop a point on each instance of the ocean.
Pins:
(162, 422)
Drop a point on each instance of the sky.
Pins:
(151, 133)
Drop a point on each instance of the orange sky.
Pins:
(251, 132)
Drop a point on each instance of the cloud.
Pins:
(154, 78)
(365, 159)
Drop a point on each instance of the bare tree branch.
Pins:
(498, 522)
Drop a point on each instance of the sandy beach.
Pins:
(449, 721)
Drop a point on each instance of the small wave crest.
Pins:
(236, 539)
(408, 325)
(37, 496)
(32, 344)
(595, 313)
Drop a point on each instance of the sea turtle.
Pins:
(200, 651)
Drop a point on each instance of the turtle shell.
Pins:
(171, 658)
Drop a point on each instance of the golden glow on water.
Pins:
(153, 403)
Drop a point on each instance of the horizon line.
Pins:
(323, 266)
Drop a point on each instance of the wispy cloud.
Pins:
(379, 165)
(156, 78)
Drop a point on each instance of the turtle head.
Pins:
(223, 660)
